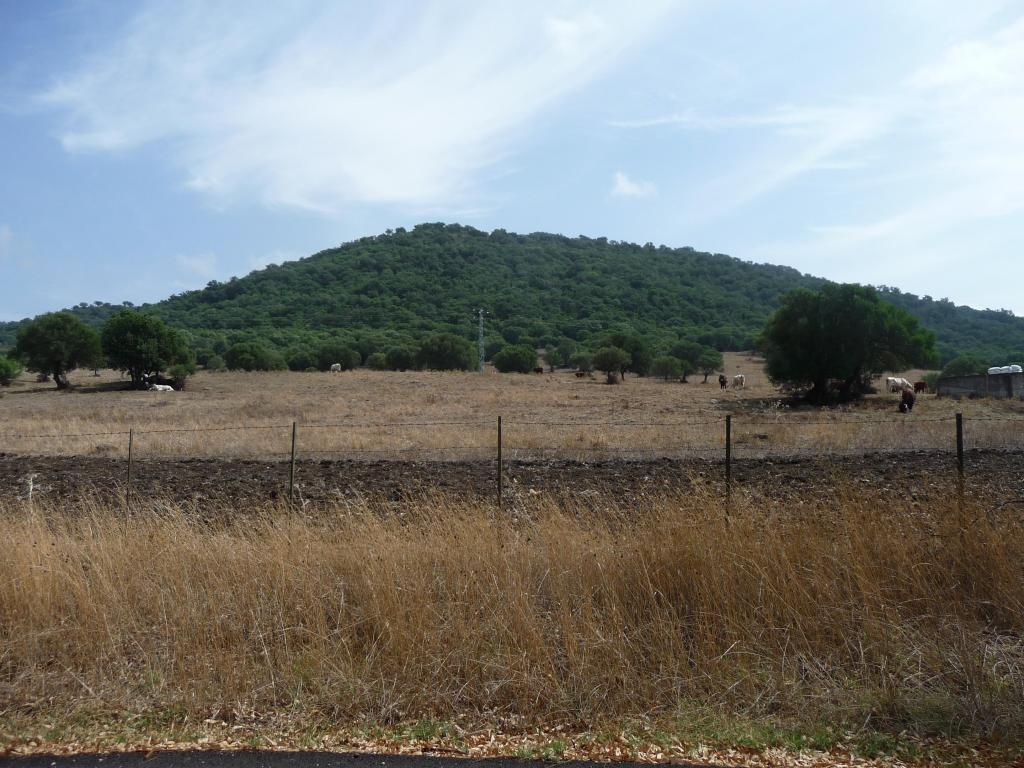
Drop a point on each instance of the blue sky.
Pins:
(149, 147)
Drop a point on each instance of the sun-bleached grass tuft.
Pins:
(559, 614)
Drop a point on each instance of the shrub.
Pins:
(400, 358)
(180, 372)
(964, 365)
(300, 358)
(378, 361)
(515, 359)
(215, 363)
(9, 371)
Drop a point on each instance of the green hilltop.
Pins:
(537, 289)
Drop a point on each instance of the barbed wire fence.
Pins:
(511, 443)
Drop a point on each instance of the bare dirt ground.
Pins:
(910, 479)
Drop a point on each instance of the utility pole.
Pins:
(480, 340)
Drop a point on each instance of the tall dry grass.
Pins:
(451, 607)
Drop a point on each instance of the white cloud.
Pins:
(623, 186)
(322, 107)
(203, 265)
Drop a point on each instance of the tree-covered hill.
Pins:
(537, 289)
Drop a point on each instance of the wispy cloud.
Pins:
(203, 265)
(320, 107)
(623, 186)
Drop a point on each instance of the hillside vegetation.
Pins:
(537, 289)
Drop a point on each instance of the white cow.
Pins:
(738, 381)
(161, 388)
(897, 383)
(336, 368)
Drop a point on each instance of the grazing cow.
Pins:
(335, 367)
(920, 386)
(161, 388)
(538, 370)
(907, 400)
(722, 381)
(580, 374)
(738, 381)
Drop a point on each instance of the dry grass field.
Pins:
(454, 415)
(661, 617)
(843, 606)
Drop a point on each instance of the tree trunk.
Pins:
(612, 378)
(60, 378)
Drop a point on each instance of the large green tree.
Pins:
(141, 345)
(445, 352)
(844, 333)
(613, 361)
(57, 343)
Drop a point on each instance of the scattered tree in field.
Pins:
(142, 345)
(667, 367)
(710, 360)
(559, 354)
(446, 352)
(842, 332)
(964, 365)
(582, 361)
(400, 358)
(10, 369)
(636, 347)
(253, 356)
(57, 343)
(515, 358)
(612, 361)
(377, 361)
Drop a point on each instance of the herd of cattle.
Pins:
(892, 383)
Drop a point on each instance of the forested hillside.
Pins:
(537, 289)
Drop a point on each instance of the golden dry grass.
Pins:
(581, 417)
(451, 609)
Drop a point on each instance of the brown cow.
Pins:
(538, 370)
(920, 386)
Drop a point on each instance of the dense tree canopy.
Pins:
(843, 333)
(395, 289)
(56, 344)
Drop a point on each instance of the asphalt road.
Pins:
(279, 760)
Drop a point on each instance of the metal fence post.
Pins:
(728, 463)
(960, 462)
(128, 483)
(499, 464)
(291, 471)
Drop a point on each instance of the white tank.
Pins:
(1016, 369)
(994, 370)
